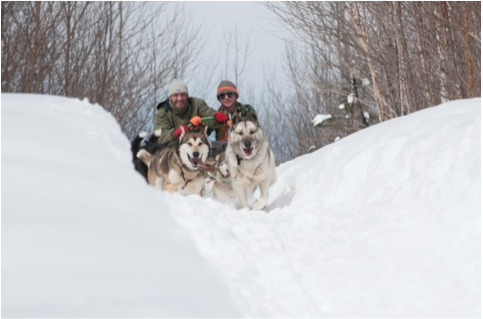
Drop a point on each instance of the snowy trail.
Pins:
(383, 223)
(249, 250)
(396, 242)
(307, 266)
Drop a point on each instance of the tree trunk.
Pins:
(34, 50)
(404, 69)
(385, 113)
(428, 93)
(470, 82)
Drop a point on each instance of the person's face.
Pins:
(228, 100)
(179, 99)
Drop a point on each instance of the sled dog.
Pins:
(178, 168)
(148, 142)
(250, 160)
(222, 189)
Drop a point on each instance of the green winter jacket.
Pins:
(169, 117)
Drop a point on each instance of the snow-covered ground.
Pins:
(383, 223)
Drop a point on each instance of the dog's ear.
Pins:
(153, 138)
(252, 116)
(235, 119)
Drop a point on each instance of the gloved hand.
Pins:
(220, 117)
(195, 121)
(178, 131)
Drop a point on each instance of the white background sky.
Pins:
(252, 19)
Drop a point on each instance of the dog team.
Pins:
(180, 158)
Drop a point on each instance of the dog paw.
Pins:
(140, 153)
(144, 156)
(259, 204)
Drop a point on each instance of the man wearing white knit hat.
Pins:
(179, 110)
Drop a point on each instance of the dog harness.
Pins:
(185, 180)
(250, 176)
(180, 165)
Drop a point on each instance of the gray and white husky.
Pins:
(250, 160)
(222, 189)
(179, 168)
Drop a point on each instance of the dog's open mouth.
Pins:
(197, 162)
(248, 151)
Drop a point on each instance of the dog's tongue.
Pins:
(199, 161)
(248, 151)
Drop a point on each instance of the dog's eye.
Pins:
(253, 132)
(199, 144)
(239, 133)
(189, 143)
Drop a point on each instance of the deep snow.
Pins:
(383, 223)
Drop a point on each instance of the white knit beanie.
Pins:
(177, 86)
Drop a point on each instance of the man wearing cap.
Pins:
(227, 94)
(179, 110)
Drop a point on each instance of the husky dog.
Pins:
(250, 160)
(178, 168)
(222, 189)
(148, 142)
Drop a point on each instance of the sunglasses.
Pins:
(222, 95)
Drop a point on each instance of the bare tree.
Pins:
(386, 45)
(117, 54)
(229, 61)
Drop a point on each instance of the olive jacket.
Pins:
(169, 117)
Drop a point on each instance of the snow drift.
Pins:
(383, 223)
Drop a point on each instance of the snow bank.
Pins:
(395, 214)
(383, 223)
(82, 234)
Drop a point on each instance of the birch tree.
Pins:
(414, 54)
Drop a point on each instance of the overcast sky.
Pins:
(251, 19)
